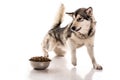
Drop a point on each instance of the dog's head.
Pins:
(81, 20)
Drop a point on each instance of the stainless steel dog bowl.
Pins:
(39, 63)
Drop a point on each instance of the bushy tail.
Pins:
(59, 17)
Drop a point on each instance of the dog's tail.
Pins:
(59, 17)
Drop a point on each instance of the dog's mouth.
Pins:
(78, 29)
(74, 29)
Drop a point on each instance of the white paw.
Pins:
(74, 63)
(46, 55)
(98, 67)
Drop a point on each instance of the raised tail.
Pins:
(59, 17)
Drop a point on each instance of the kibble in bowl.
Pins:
(39, 62)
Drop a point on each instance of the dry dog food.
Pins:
(40, 59)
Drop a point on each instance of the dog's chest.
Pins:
(80, 42)
(76, 41)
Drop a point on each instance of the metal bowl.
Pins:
(39, 65)
(39, 62)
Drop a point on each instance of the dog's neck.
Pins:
(84, 36)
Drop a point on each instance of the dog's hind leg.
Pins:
(48, 45)
(59, 52)
(91, 54)
(45, 52)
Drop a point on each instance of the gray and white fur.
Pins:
(80, 32)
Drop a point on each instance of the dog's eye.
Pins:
(80, 19)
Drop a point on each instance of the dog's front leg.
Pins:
(73, 57)
(72, 49)
(90, 49)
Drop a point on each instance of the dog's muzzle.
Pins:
(75, 29)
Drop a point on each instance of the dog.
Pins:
(80, 32)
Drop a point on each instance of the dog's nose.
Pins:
(73, 28)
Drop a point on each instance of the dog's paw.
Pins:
(74, 63)
(46, 55)
(98, 67)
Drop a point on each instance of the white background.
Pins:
(23, 24)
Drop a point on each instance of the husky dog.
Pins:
(80, 32)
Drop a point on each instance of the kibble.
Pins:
(40, 59)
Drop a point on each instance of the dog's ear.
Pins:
(70, 13)
(89, 11)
